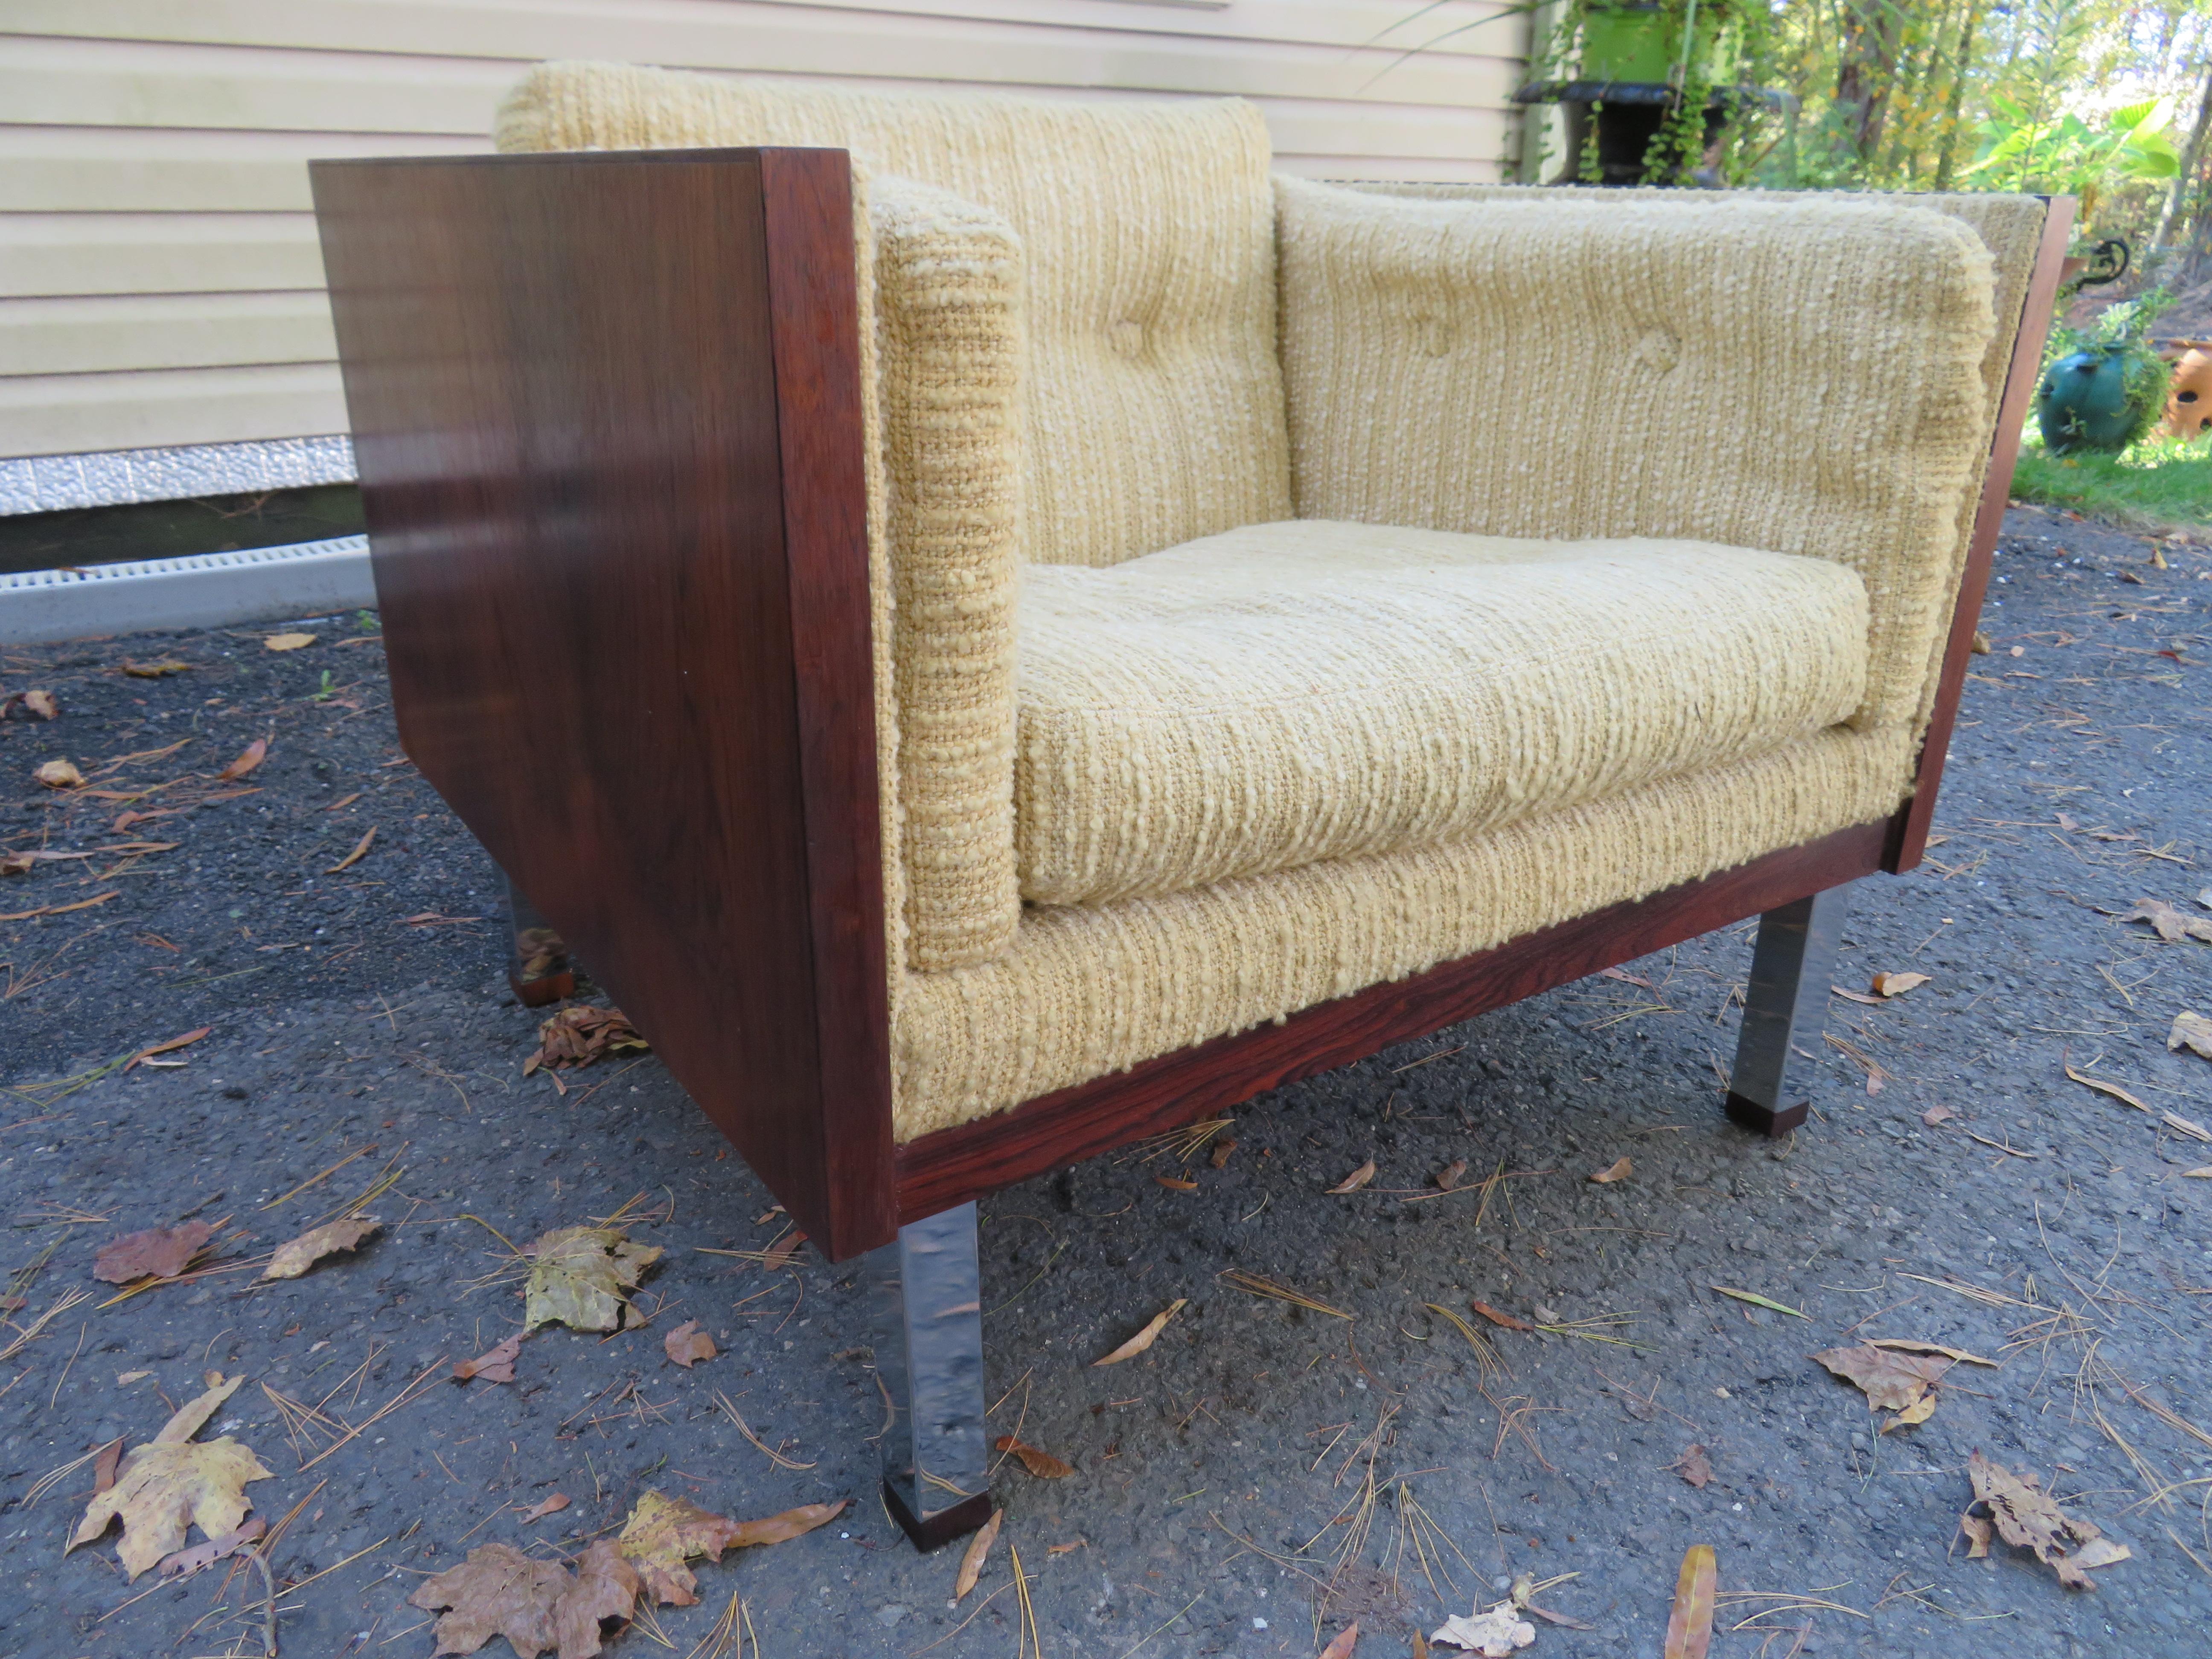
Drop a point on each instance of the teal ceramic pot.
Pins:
(2082, 403)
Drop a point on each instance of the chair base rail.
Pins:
(951, 1166)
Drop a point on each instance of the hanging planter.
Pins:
(1652, 86)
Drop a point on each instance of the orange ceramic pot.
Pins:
(2189, 403)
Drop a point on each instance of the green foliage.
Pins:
(2123, 330)
(2022, 151)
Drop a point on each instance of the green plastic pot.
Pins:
(1640, 43)
(2082, 403)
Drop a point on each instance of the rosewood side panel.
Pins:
(606, 414)
(1909, 829)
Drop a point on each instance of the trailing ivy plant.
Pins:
(2122, 332)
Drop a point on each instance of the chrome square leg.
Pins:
(927, 1291)
(537, 965)
(1785, 1005)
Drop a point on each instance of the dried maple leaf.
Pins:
(156, 1253)
(1896, 985)
(1346, 1640)
(578, 1275)
(2170, 924)
(254, 754)
(1493, 1634)
(663, 1533)
(972, 1558)
(1144, 1338)
(1619, 1169)
(288, 641)
(496, 1366)
(579, 1035)
(167, 1485)
(59, 775)
(1893, 1382)
(2192, 1032)
(295, 1255)
(687, 1345)
(606, 1587)
(1040, 1463)
(2025, 1514)
(1359, 1178)
(500, 1592)
(1694, 1466)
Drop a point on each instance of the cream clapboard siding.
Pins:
(160, 279)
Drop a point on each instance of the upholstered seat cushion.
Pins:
(1291, 692)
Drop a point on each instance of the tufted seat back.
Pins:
(1153, 408)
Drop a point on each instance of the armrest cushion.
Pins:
(1801, 377)
(948, 348)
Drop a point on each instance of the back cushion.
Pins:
(1154, 400)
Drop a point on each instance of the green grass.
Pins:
(2150, 486)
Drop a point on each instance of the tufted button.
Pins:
(1657, 351)
(1127, 338)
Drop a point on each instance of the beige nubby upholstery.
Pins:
(1285, 587)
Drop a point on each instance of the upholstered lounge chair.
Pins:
(995, 628)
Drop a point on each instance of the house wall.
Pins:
(163, 328)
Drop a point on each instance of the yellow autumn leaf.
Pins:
(1145, 1338)
(163, 1488)
(295, 1255)
(577, 1276)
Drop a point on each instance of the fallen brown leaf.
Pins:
(1359, 1178)
(1892, 1381)
(687, 1345)
(173, 1043)
(1144, 1338)
(156, 1253)
(1064, 1549)
(1619, 1169)
(2187, 1126)
(1690, 1622)
(1494, 1634)
(1626, 977)
(1855, 996)
(972, 1558)
(18, 864)
(1896, 985)
(1497, 1318)
(1981, 645)
(535, 1605)
(185, 1562)
(1222, 1149)
(1935, 1114)
(1345, 1640)
(1176, 1184)
(170, 1483)
(295, 1256)
(360, 849)
(111, 1456)
(1448, 1177)
(663, 1533)
(496, 1366)
(1040, 1463)
(2192, 1032)
(42, 704)
(2205, 1173)
(2170, 924)
(2025, 1515)
(288, 641)
(577, 1036)
(1694, 1466)
(552, 1506)
(59, 775)
(1906, 1345)
(254, 754)
(578, 1276)
(2103, 1087)
(155, 670)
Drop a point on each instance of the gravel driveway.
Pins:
(1270, 1470)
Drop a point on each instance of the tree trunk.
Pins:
(2186, 180)
(1867, 69)
(1954, 108)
